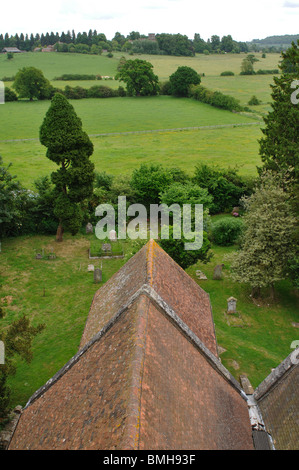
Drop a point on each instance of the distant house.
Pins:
(48, 49)
(151, 37)
(15, 50)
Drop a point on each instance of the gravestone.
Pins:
(106, 247)
(90, 268)
(218, 272)
(112, 236)
(201, 275)
(89, 228)
(231, 305)
(97, 275)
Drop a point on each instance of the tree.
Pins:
(279, 148)
(266, 246)
(70, 148)
(139, 78)
(185, 258)
(182, 79)
(9, 188)
(148, 181)
(17, 339)
(247, 67)
(31, 83)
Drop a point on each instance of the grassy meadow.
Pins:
(234, 146)
(59, 292)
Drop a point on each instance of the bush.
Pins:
(227, 73)
(185, 258)
(226, 231)
(267, 72)
(75, 93)
(254, 101)
(165, 88)
(10, 95)
(226, 186)
(100, 91)
(74, 76)
(214, 98)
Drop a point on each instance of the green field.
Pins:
(127, 132)
(224, 146)
(234, 146)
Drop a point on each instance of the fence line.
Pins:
(152, 131)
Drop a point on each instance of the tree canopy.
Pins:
(70, 148)
(30, 83)
(279, 147)
(266, 244)
(182, 79)
(139, 78)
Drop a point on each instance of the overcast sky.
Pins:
(244, 20)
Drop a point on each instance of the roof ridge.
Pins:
(132, 432)
(171, 315)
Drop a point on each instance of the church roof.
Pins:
(147, 374)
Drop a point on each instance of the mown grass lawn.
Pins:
(59, 293)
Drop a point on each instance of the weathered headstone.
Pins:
(106, 247)
(217, 275)
(112, 236)
(201, 275)
(231, 305)
(97, 275)
(90, 268)
(89, 228)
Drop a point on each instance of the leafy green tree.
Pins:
(182, 79)
(279, 147)
(266, 247)
(148, 181)
(9, 188)
(185, 258)
(17, 339)
(30, 83)
(247, 67)
(139, 78)
(70, 148)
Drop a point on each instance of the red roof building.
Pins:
(147, 374)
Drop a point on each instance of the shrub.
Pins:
(165, 88)
(254, 101)
(75, 93)
(227, 73)
(226, 186)
(267, 72)
(185, 258)
(100, 91)
(214, 98)
(10, 95)
(226, 231)
(75, 76)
